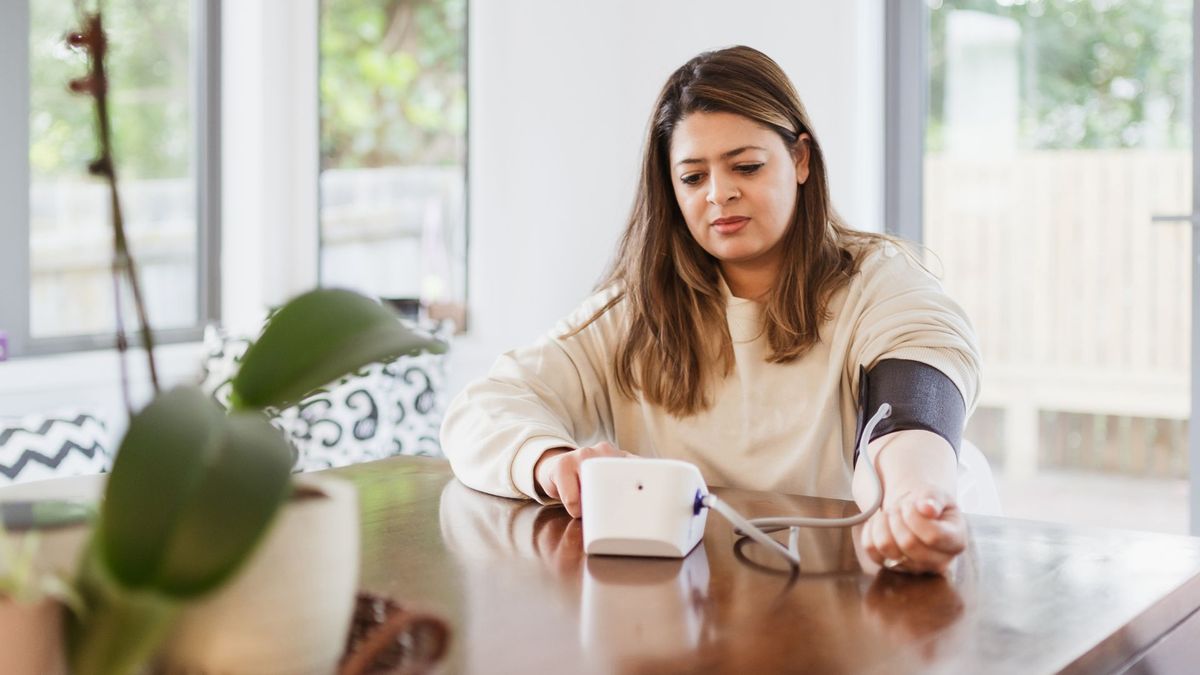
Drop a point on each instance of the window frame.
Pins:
(906, 27)
(15, 265)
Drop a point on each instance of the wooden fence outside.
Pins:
(1081, 303)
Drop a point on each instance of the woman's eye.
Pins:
(691, 179)
(749, 168)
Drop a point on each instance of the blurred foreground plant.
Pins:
(193, 489)
(20, 581)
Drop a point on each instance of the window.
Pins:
(1056, 134)
(162, 68)
(393, 111)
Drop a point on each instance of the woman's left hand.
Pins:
(919, 533)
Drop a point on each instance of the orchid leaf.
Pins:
(191, 492)
(316, 338)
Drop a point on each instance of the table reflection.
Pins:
(644, 607)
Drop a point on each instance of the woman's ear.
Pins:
(801, 153)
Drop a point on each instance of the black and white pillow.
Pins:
(380, 411)
(340, 425)
(416, 387)
(37, 447)
(222, 354)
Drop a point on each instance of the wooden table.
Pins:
(512, 581)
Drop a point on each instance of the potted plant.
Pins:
(194, 489)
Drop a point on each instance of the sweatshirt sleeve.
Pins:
(903, 313)
(548, 395)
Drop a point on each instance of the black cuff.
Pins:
(921, 396)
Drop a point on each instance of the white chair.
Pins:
(976, 486)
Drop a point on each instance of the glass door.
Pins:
(1057, 195)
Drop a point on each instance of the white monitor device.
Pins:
(641, 507)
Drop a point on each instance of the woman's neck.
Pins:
(750, 282)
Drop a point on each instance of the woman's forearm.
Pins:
(906, 460)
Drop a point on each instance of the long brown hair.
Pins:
(678, 338)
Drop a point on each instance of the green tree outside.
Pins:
(392, 86)
(1089, 70)
(392, 83)
(150, 44)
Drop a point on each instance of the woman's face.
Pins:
(736, 183)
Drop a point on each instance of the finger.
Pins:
(551, 489)
(930, 507)
(931, 502)
(882, 536)
(543, 471)
(907, 542)
(604, 449)
(547, 478)
(920, 558)
(867, 544)
(567, 478)
(866, 559)
(947, 534)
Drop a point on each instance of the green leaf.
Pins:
(316, 338)
(230, 509)
(191, 493)
(120, 629)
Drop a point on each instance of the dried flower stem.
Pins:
(122, 343)
(96, 85)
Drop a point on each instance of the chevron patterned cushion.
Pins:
(38, 447)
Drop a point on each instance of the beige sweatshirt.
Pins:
(778, 427)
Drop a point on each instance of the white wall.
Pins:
(560, 94)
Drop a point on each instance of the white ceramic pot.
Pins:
(31, 638)
(289, 609)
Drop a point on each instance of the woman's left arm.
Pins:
(915, 349)
(919, 527)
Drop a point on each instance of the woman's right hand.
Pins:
(557, 472)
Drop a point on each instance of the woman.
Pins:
(743, 327)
